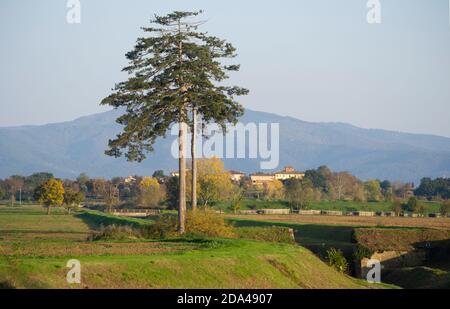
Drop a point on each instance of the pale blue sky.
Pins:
(317, 60)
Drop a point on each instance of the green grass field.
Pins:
(247, 204)
(34, 250)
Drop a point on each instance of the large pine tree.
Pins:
(173, 70)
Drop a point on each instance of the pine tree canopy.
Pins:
(173, 69)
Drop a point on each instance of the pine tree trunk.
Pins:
(182, 170)
(194, 159)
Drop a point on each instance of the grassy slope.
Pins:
(30, 260)
(232, 264)
(317, 238)
(420, 277)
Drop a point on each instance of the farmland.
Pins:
(353, 221)
(345, 206)
(320, 233)
(35, 248)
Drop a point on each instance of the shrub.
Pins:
(362, 253)
(207, 224)
(272, 234)
(164, 227)
(116, 232)
(337, 260)
(200, 223)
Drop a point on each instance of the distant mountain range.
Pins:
(69, 148)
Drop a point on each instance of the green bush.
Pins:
(337, 260)
(362, 253)
(272, 234)
(164, 227)
(116, 232)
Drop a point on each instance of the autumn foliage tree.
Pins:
(174, 69)
(72, 199)
(151, 193)
(51, 194)
(214, 182)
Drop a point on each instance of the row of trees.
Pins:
(434, 189)
(324, 184)
(214, 185)
(53, 194)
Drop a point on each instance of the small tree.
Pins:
(412, 204)
(397, 207)
(373, 190)
(214, 182)
(72, 199)
(420, 209)
(445, 208)
(299, 193)
(51, 194)
(236, 196)
(159, 174)
(172, 196)
(112, 197)
(151, 193)
(358, 193)
(273, 190)
(337, 260)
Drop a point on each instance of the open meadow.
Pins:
(35, 247)
(345, 206)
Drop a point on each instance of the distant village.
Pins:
(259, 178)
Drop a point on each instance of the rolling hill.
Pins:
(69, 148)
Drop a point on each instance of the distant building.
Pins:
(130, 179)
(236, 176)
(288, 173)
(261, 178)
(175, 174)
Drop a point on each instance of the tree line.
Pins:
(214, 185)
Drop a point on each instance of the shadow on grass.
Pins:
(96, 219)
(317, 238)
(6, 285)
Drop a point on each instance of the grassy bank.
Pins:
(225, 264)
(34, 250)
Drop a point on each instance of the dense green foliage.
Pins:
(429, 188)
(337, 260)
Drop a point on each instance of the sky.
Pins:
(316, 60)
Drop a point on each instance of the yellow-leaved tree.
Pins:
(51, 193)
(273, 190)
(151, 193)
(213, 181)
